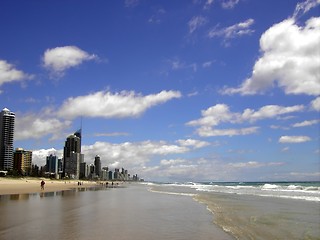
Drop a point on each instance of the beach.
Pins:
(161, 211)
(32, 185)
(129, 212)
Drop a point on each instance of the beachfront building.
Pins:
(53, 166)
(22, 160)
(97, 165)
(83, 171)
(72, 157)
(7, 119)
(110, 175)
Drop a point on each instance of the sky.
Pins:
(193, 90)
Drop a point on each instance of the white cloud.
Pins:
(304, 7)
(306, 123)
(236, 30)
(289, 60)
(130, 155)
(254, 164)
(294, 139)
(59, 59)
(8, 73)
(32, 126)
(213, 116)
(315, 104)
(196, 22)
(285, 149)
(192, 143)
(229, 4)
(218, 113)
(176, 64)
(172, 161)
(269, 111)
(39, 156)
(208, 4)
(207, 64)
(210, 132)
(110, 105)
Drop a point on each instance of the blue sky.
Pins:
(218, 90)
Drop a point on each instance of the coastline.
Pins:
(32, 185)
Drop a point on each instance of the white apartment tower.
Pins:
(7, 119)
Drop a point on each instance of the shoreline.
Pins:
(26, 185)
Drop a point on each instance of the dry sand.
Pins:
(32, 185)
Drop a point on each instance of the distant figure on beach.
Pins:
(42, 185)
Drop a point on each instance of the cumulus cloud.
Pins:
(290, 60)
(193, 143)
(8, 73)
(32, 126)
(269, 111)
(294, 139)
(130, 155)
(59, 59)
(196, 22)
(315, 104)
(113, 105)
(236, 30)
(306, 123)
(220, 113)
(39, 156)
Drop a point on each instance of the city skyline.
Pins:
(224, 90)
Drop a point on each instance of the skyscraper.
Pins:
(72, 156)
(7, 119)
(97, 165)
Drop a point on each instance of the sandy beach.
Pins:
(32, 185)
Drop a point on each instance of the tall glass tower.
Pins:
(7, 119)
(72, 157)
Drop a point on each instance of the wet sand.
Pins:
(130, 212)
(32, 185)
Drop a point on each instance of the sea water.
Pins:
(284, 210)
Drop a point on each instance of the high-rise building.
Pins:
(7, 119)
(97, 165)
(52, 165)
(22, 160)
(72, 156)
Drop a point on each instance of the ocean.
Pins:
(175, 211)
(257, 210)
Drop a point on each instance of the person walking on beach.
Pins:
(42, 185)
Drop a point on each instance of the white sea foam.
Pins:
(303, 191)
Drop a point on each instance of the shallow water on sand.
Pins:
(131, 213)
(248, 216)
